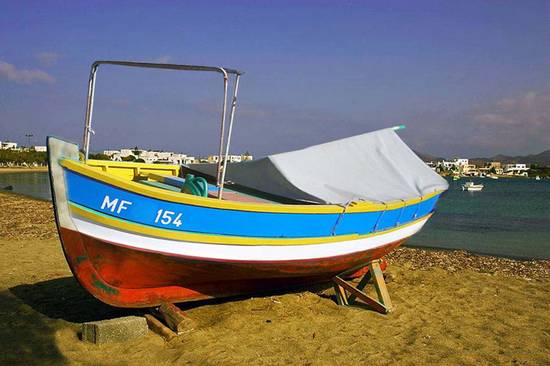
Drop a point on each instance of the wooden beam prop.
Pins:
(382, 305)
(175, 318)
(158, 327)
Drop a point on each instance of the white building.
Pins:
(190, 160)
(167, 157)
(469, 169)
(516, 169)
(448, 165)
(461, 162)
(110, 152)
(40, 148)
(150, 157)
(5, 145)
(458, 164)
(230, 158)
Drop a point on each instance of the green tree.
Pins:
(100, 156)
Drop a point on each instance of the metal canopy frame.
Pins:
(226, 72)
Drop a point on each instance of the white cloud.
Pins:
(24, 76)
(514, 126)
(529, 111)
(48, 58)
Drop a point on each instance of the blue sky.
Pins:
(467, 78)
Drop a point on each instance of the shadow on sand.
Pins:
(64, 298)
(28, 337)
(31, 314)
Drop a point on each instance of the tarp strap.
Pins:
(397, 223)
(417, 208)
(340, 217)
(380, 217)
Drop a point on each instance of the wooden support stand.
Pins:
(382, 305)
(174, 317)
(158, 327)
(175, 320)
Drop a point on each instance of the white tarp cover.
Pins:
(376, 166)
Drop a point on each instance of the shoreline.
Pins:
(24, 169)
(23, 195)
(475, 253)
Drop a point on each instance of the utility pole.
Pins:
(28, 136)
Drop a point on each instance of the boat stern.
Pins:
(57, 150)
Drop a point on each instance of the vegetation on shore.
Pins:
(22, 158)
(541, 171)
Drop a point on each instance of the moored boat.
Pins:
(472, 187)
(136, 235)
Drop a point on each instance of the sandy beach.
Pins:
(24, 169)
(450, 308)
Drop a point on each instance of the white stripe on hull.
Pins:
(244, 252)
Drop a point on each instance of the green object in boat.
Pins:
(197, 186)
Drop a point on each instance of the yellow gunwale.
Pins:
(158, 193)
(117, 223)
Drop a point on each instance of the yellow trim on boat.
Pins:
(165, 195)
(130, 170)
(117, 223)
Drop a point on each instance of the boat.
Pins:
(493, 176)
(137, 234)
(456, 177)
(537, 178)
(472, 187)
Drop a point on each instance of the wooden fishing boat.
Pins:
(137, 235)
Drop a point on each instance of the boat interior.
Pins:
(177, 178)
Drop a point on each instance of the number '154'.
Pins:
(166, 217)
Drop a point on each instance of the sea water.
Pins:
(34, 184)
(510, 217)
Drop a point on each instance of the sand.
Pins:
(23, 169)
(442, 315)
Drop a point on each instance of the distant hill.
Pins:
(428, 157)
(542, 158)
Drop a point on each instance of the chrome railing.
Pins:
(222, 159)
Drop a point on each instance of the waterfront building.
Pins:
(6, 145)
(457, 164)
(230, 158)
(517, 169)
(168, 157)
(469, 169)
(432, 165)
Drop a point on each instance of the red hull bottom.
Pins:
(126, 277)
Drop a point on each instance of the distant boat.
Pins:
(537, 178)
(456, 177)
(493, 176)
(472, 187)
